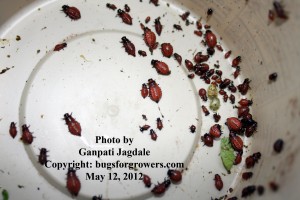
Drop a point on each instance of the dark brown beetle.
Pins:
(142, 53)
(73, 125)
(73, 183)
(247, 175)
(191, 76)
(185, 15)
(160, 188)
(177, 27)
(147, 180)
(97, 197)
(174, 175)
(238, 158)
(111, 6)
(278, 145)
(72, 12)
(199, 58)
(153, 135)
(178, 58)
(27, 137)
(129, 46)
(236, 61)
(159, 124)
(126, 18)
(204, 109)
(202, 94)
(218, 182)
(59, 47)
(210, 39)
(144, 91)
(207, 140)
(144, 128)
(147, 20)
(217, 117)
(227, 54)
(193, 129)
(43, 156)
(247, 191)
(158, 26)
(189, 65)
(126, 8)
(273, 77)
(155, 2)
(13, 129)
(279, 10)
(244, 87)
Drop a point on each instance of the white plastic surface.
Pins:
(99, 83)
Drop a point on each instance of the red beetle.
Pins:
(208, 140)
(13, 129)
(27, 137)
(234, 124)
(142, 53)
(199, 57)
(160, 188)
(202, 94)
(236, 61)
(238, 158)
(159, 124)
(210, 39)
(161, 67)
(215, 131)
(150, 39)
(153, 135)
(155, 2)
(43, 156)
(144, 91)
(71, 12)
(237, 71)
(59, 47)
(217, 117)
(189, 65)
(126, 18)
(205, 110)
(147, 180)
(245, 102)
(243, 111)
(227, 54)
(126, 8)
(155, 92)
(144, 128)
(73, 125)
(236, 141)
(178, 58)
(244, 87)
(218, 182)
(148, 18)
(185, 15)
(111, 6)
(129, 46)
(174, 175)
(167, 49)
(73, 183)
(158, 26)
(193, 129)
